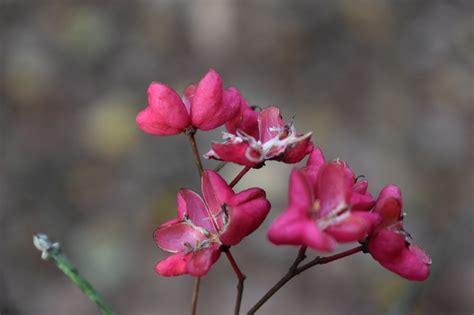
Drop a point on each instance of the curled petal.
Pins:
(165, 114)
(174, 237)
(296, 151)
(386, 245)
(389, 205)
(237, 151)
(270, 123)
(246, 212)
(193, 206)
(202, 260)
(149, 122)
(216, 191)
(315, 161)
(362, 201)
(333, 189)
(351, 229)
(300, 195)
(174, 265)
(246, 120)
(207, 99)
(290, 228)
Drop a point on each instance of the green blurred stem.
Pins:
(53, 252)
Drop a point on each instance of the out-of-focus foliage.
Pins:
(385, 85)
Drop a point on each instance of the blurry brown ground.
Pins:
(385, 85)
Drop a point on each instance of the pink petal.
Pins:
(216, 191)
(315, 161)
(246, 211)
(297, 151)
(300, 195)
(188, 96)
(149, 122)
(290, 228)
(246, 120)
(353, 228)
(211, 106)
(333, 188)
(174, 265)
(362, 201)
(202, 260)
(172, 237)
(361, 187)
(193, 206)
(169, 112)
(386, 245)
(235, 151)
(270, 123)
(409, 264)
(389, 205)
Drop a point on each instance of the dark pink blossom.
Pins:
(320, 212)
(222, 217)
(390, 245)
(204, 106)
(275, 140)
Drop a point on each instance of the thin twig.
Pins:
(294, 270)
(197, 157)
(220, 166)
(241, 277)
(52, 251)
(239, 176)
(197, 282)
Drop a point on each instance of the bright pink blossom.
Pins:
(390, 245)
(204, 106)
(275, 140)
(320, 212)
(203, 225)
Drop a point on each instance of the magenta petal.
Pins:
(300, 195)
(215, 190)
(174, 265)
(361, 187)
(246, 212)
(333, 188)
(386, 245)
(168, 106)
(235, 151)
(389, 205)
(292, 229)
(173, 237)
(195, 209)
(315, 161)
(362, 201)
(246, 120)
(149, 122)
(202, 260)
(270, 123)
(207, 99)
(296, 152)
(353, 228)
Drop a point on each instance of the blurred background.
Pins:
(385, 85)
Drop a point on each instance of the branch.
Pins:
(239, 176)
(52, 251)
(197, 158)
(197, 282)
(295, 270)
(241, 277)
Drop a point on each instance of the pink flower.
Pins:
(275, 140)
(203, 225)
(205, 106)
(390, 245)
(320, 212)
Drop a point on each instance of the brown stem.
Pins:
(240, 276)
(197, 282)
(197, 157)
(239, 176)
(295, 270)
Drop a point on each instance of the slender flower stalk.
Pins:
(52, 251)
(240, 175)
(240, 276)
(197, 283)
(197, 158)
(295, 269)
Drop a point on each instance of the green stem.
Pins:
(53, 252)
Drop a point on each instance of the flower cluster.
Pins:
(327, 203)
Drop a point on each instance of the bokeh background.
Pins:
(386, 85)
